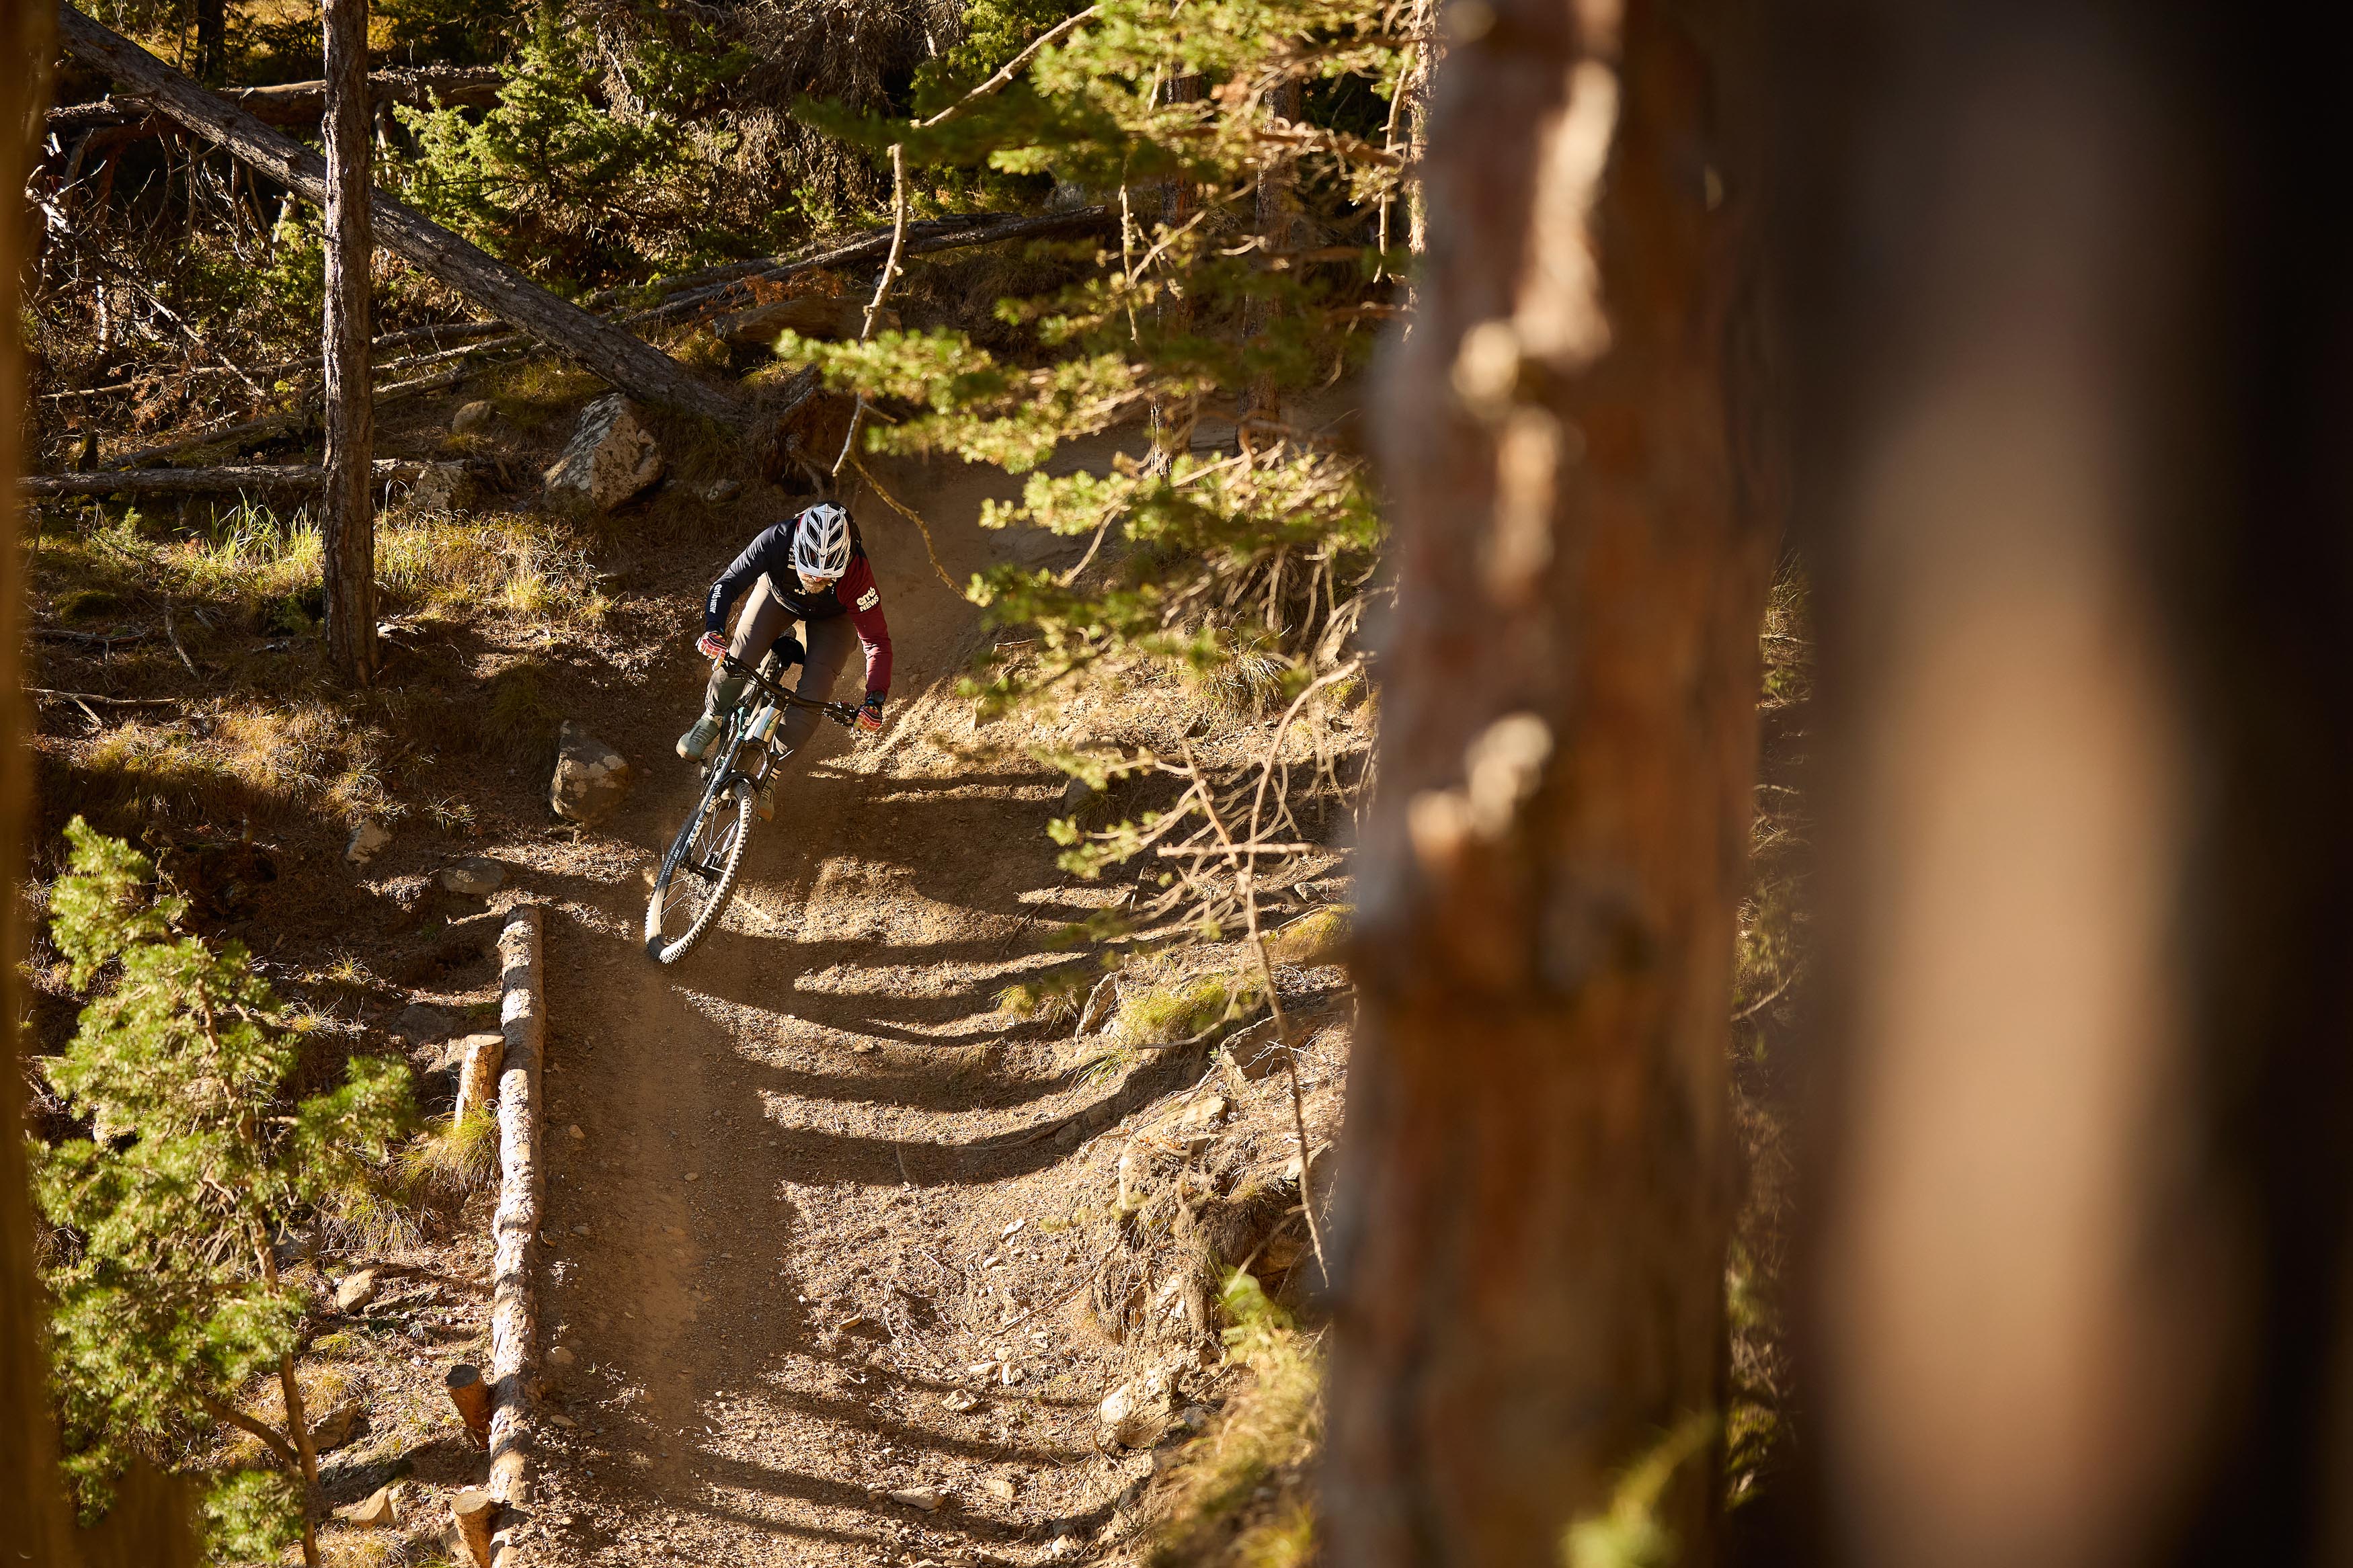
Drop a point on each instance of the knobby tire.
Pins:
(733, 801)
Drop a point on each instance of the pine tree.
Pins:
(1229, 305)
(168, 1298)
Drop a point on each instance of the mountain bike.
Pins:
(698, 876)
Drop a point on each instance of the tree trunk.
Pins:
(302, 105)
(2073, 363)
(1172, 424)
(1537, 1180)
(1276, 208)
(29, 1479)
(628, 362)
(348, 554)
(212, 40)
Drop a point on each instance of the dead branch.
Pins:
(235, 479)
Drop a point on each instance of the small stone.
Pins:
(1063, 1546)
(1013, 1375)
(694, 1175)
(1077, 796)
(958, 1399)
(574, 1131)
(336, 1427)
(580, 1230)
(479, 414)
(718, 491)
(561, 1356)
(1208, 1111)
(367, 842)
(1001, 1488)
(379, 1512)
(356, 1291)
(928, 1498)
(561, 1419)
(673, 1230)
(1007, 1235)
(1194, 1417)
(590, 778)
(474, 876)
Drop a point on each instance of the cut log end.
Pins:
(471, 1397)
(476, 1515)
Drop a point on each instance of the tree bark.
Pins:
(212, 40)
(347, 558)
(1180, 199)
(242, 478)
(1535, 1190)
(301, 104)
(628, 362)
(1277, 206)
(29, 1480)
(514, 1310)
(2072, 361)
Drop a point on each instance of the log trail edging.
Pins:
(514, 1313)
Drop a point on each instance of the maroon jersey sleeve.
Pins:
(863, 600)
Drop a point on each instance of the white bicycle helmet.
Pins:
(821, 542)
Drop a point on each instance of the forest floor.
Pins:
(842, 1251)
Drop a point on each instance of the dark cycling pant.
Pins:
(766, 626)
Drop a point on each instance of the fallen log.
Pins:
(514, 1311)
(628, 362)
(301, 104)
(241, 479)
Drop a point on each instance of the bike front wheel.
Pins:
(698, 876)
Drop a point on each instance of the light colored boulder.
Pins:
(356, 1291)
(610, 457)
(474, 876)
(479, 414)
(591, 778)
(367, 841)
(442, 487)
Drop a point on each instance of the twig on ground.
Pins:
(920, 527)
(173, 631)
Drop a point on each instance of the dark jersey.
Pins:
(771, 556)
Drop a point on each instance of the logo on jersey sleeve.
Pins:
(869, 599)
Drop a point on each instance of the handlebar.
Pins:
(842, 713)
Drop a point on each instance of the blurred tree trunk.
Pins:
(2071, 353)
(30, 1504)
(1539, 1169)
(349, 556)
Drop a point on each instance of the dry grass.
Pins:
(1241, 1493)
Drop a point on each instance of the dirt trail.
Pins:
(778, 1240)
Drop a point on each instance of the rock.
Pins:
(356, 1291)
(1137, 1412)
(610, 457)
(822, 317)
(338, 1426)
(1077, 796)
(928, 1498)
(481, 1057)
(379, 1512)
(718, 491)
(561, 1419)
(574, 1131)
(421, 1024)
(1194, 1417)
(474, 876)
(442, 487)
(479, 414)
(1208, 1111)
(591, 778)
(1001, 1488)
(367, 842)
(581, 1230)
(958, 1399)
(561, 1356)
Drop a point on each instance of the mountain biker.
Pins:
(812, 569)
